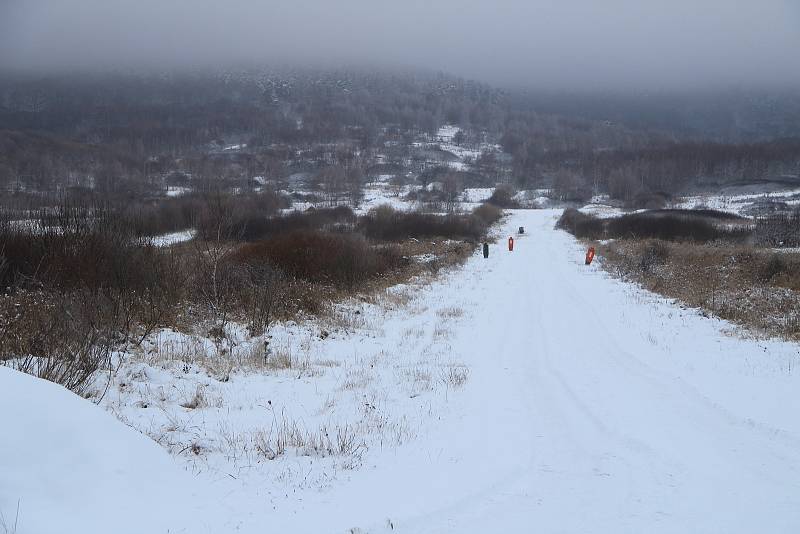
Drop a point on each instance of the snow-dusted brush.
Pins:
(303, 402)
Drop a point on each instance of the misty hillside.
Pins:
(725, 115)
(231, 126)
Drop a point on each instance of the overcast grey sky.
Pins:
(576, 44)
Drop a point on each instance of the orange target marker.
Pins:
(589, 256)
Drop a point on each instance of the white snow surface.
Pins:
(591, 406)
(172, 238)
(69, 466)
(477, 195)
(379, 193)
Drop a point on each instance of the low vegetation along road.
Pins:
(594, 407)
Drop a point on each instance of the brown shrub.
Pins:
(254, 228)
(778, 230)
(488, 213)
(342, 260)
(388, 224)
(503, 197)
(91, 250)
(674, 225)
(746, 285)
(581, 225)
(670, 225)
(64, 338)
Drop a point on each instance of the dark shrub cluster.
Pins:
(488, 213)
(503, 197)
(778, 269)
(648, 200)
(653, 254)
(224, 215)
(76, 282)
(388, 224)
(162, 216)
(74, 247)
(778, 230)
(672, 226)
(707, 213)
(254, 228)
(581, 225)
(669, 225)
(343, 260)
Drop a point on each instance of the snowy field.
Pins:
(740, 204)
(523, 393)
(172, 238)
(380, 192)
(603, 211)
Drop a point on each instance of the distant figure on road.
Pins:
(486, 250)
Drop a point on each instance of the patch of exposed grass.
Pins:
(753, 287)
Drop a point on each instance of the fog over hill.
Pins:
(576, 44)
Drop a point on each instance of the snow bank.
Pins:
(72, 467)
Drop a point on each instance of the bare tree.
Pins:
(263, 292)
(452, 187)
(355, 185)
(331, 182)
(214, 280)
(570, 186)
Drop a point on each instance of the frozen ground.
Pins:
(589, 405)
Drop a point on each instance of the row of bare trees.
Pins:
(628, 174)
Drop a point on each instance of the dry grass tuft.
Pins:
(288, 435)
(455, 376)
(450, 313)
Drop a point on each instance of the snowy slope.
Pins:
(72, 467)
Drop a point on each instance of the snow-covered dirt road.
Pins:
(594, 407)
